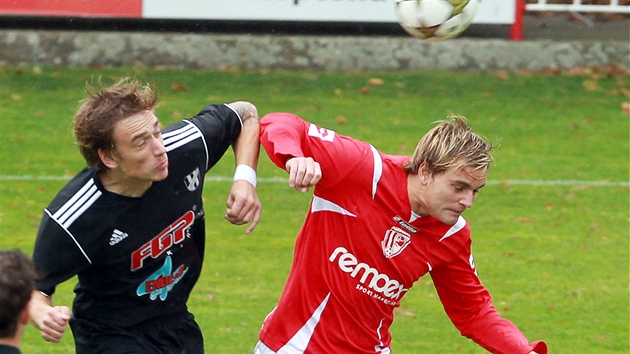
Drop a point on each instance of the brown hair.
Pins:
(451, 144)
(17, 282)
(97, 114)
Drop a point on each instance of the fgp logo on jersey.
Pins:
(162, 281)
(395, 242)
(322, 133)
(172, 235)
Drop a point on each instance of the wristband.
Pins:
(246, 173)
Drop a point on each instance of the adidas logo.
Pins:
(117, 236)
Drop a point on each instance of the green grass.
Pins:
(555, 257)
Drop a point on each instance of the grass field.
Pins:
(550, 230)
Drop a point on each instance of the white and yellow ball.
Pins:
(435, 19)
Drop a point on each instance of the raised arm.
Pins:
(312, 155)
(243, 205)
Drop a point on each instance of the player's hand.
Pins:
(243, 205)
(304, 173)
(54, 323)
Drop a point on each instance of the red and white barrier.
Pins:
(72, 8)
(378, 11)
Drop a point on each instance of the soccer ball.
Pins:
(435, 19)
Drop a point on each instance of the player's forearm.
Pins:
(39, 306)
(51, 321)
(247, 145)
(497, 335)
(469, 306)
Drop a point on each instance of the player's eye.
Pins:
(140, 142)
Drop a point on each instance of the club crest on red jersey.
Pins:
(395, 241)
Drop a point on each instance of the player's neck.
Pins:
(414, 191)
(11, 342)
(124, 185)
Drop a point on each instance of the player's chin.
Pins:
(449, 217)
(160, 175)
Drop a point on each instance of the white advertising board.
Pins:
(377, 11)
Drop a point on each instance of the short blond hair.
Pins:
(451, 144)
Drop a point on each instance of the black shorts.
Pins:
(179, 335)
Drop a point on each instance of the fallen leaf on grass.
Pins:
(591, 85)
(402, 312)
(375, 81)
(574, 127)
(178, 87)
(503, 74)
(523, 220)
(579, 71)
(580, 188)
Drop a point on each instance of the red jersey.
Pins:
(361, 249)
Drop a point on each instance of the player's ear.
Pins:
(25, 315)
(424, 172)
(107, 158)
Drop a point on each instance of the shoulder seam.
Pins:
(52, 217)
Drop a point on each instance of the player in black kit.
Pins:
(131, 224)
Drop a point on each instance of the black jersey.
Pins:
(137, 259)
